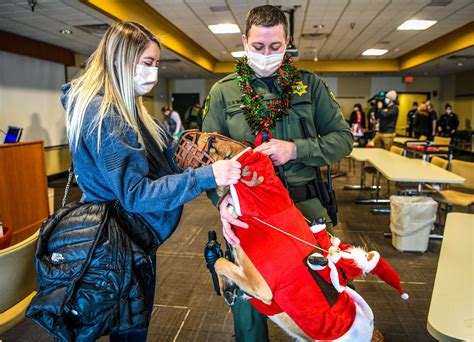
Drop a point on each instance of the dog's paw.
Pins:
(230, 294)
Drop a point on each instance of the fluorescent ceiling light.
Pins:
(238, 54)
(416, 24)
(374, 52)
(224, 28)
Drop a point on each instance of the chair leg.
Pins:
(388, 186)
(448, 210)
(373, 184)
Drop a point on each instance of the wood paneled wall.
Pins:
(23, 188)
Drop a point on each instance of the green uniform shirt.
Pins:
(331, 140)
(313, 100)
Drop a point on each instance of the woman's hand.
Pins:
(226, 172)
(229, 217)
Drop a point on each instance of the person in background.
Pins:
(199, 116)
(425, 121)
(448, 122)
(190, 117)
(357, 120)
(434, 119)
(388, 120)
(373, 117)
(172, 121)
(411, 119)
(117, 147)
(281, 136)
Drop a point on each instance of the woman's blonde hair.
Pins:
(110, 70)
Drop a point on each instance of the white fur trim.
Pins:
(317, 228)
(235, 199)
(241, 153)
(335, 257)
(359, 255)
(233, 193)
(363, 326)
(335, 241)
(373, 262)
(334, 275)
(405, 296)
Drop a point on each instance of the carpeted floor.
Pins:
(186, 308)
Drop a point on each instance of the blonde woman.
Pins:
(117, 148)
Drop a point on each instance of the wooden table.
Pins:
(361, 155)
(397, 168)
(451, 314)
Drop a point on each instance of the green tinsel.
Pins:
(259, 115)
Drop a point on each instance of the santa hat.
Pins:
(385, 272)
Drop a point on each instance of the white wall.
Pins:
(386, 83)
(30, 97)
(188, 86)
(160, 96)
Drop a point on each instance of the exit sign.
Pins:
(408, 79)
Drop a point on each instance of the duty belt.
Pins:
(303, 192)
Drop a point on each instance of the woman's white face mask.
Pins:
(264, 65)
(145, 79)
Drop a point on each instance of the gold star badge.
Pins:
(299, 88)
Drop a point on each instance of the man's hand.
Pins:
(279, 151)
(229, 217)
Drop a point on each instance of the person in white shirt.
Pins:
(172, 121)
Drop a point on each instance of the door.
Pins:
(405, 104)
(182, 102)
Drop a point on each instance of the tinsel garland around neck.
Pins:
(261, 116)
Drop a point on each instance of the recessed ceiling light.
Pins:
(460, 64)
(224, 28)
(396, 49)
(374, 52)
(318, 26)
(416, 24)
(163, 67)
(238, 54)
(65, 31)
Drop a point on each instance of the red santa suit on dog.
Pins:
(278, 243)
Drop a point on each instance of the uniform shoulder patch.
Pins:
(206, 106)
(330, 93)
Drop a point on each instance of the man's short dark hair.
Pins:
(415, 103)
(448, 106)
(267, 16)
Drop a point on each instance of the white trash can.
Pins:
(411, 221)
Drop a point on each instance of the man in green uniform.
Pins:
(293, 112)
